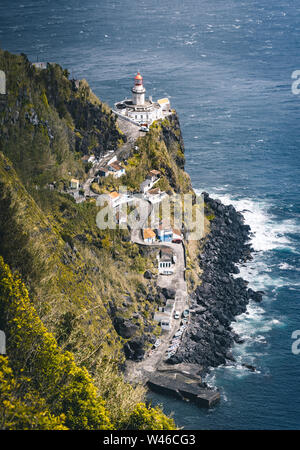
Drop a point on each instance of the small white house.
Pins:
(149, 236)
(166, 261)
(164, 318)
(114, 199)
(116, 170)
(153, 175)
(145, 186)
(88, 159)
(164, 103)
(40, 65)
(74, 183)
(155, 195)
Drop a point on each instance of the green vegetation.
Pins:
(49, 123)
(66, 287)
(161, 149)
(42, 387)
(42, 370)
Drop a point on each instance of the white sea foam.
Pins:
(267, 234)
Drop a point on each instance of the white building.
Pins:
(116, 170)
(140, 110)
(115, 199)
(149, 236)
(74, 183)
(166, 261)
(155, 195)
(40, 65)
(164, 318)
(145, 186)
(153, 175)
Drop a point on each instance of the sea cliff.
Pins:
(93, 293)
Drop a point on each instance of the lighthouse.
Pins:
(140, 110)
(138, 90)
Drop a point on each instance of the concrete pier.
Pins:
(183, 382)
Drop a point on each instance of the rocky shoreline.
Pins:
(221, 296)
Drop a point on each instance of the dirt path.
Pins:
(132, 132)
(137, 371)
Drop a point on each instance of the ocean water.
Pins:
(226, 66)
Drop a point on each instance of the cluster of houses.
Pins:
(113, 168)
(164, 232)
(153, 195)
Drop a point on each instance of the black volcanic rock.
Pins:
(168, 292)
(134, 349)
(148, 274)
(221, 296)
(124, 327)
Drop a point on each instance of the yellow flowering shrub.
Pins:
(147, 418)
(41, 366)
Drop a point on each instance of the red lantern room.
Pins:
(138, 79)
(138, 90)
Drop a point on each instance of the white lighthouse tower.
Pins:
(141, 110)
(138, 90)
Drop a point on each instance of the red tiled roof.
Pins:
(148, 233)
(154, 191)
(154, 172)
(114, 194)
(115, 166)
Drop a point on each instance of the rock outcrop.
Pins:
(221, 296)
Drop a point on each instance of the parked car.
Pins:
(176, 241)
(176, 315)
(143, 128)
(185, 313)
(157, 343)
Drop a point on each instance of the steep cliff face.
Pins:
(86, 285)
(173, 139)
(47, 123)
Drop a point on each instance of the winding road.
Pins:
(137, 371)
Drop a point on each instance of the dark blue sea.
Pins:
(226, 66)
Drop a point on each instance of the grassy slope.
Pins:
(43, 388)
(80, 279)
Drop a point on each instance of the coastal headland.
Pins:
(100, 294)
